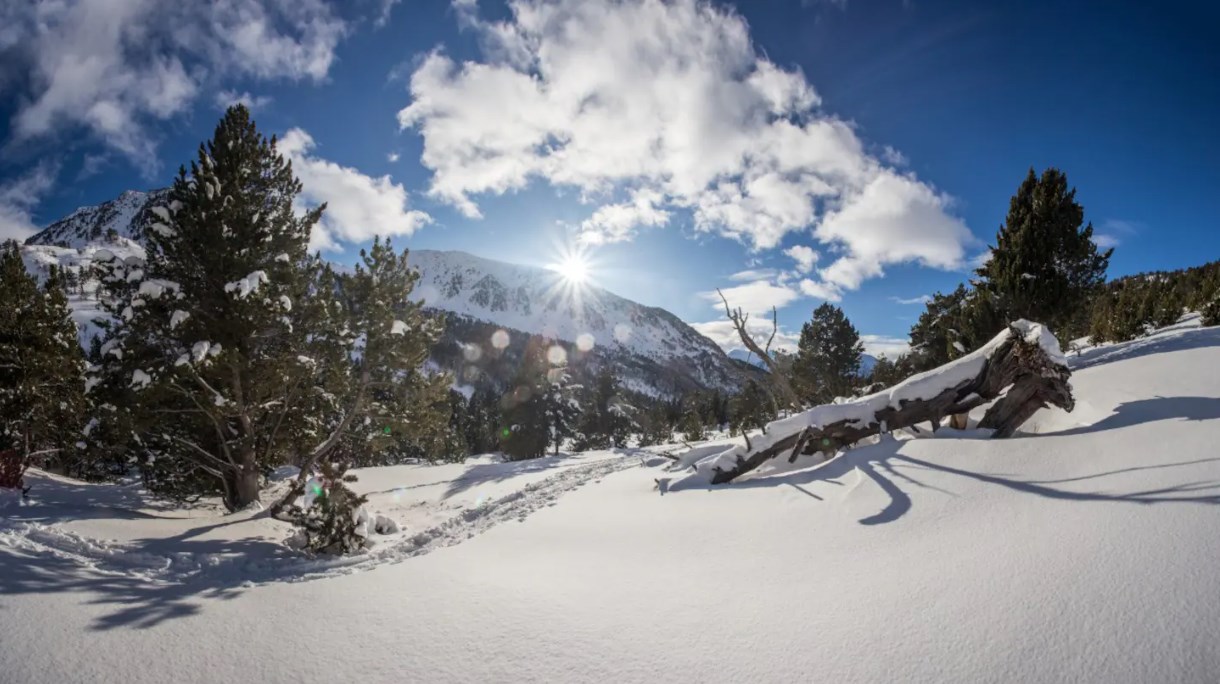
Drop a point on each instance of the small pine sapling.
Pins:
(331, 523)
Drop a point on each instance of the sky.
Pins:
(861, 152)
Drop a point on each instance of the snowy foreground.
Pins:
(1084, 550)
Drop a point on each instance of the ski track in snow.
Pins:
(114, 558)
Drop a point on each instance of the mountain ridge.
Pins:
(650, 349)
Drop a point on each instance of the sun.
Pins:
(573, 269)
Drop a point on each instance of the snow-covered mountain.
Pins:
(122, 217)
(649, 349)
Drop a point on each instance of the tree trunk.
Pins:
(1013, 360)
(242, 488)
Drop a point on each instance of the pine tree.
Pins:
(607, 419)
(41, 366)
(750, 408)
(525, 432)
(483, 427)
(691, 424)
(560, 407)
(828, 355)
(233, 350)
(330, 524)
(655, 427)
(933, 335)
(1044, 265)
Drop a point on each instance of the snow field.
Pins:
(1082, 550)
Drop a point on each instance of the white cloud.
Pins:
(383, 16)
(19, 196)
(228, 98)
(804, 256)
(392, 157)
(892, 219)
(829, 292)
(894, 156)
(754, 274)
(979, 260)
(358, 207)
(725, 335)
(921, 299)
(647, 107)
(110, 66)
(754, 298)
(1113, 231)
(884, 345)
(1121, 226)
(617, 222)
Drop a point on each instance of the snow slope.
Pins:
(1083, 550)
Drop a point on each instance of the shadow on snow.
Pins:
(896, 473)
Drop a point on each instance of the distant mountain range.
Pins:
(647, 348)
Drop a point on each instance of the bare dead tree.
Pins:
(1018, 372)
(739, 319)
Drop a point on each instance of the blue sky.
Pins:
(858, 150)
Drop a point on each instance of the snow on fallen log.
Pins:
(1022, 366)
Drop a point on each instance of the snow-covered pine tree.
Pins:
(41, 366)
(1044, 265)
(366, 347)
(208, 338)
(330, 525)
(560, 406)
(233, 350)
(607, 419)
(828, 356)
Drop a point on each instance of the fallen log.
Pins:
(1021, 366)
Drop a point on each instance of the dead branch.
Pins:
(1012, 361)
(739, 319)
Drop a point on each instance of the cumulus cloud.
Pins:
(111, 66)
(228, 98)
(358, 206)
(804, 256)
(891, 219)
(725, 335)
(617, 222)
(392, 157)
(884, 345)
(646, 108)
(19, 196)
(817, 290)
(757, 297)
